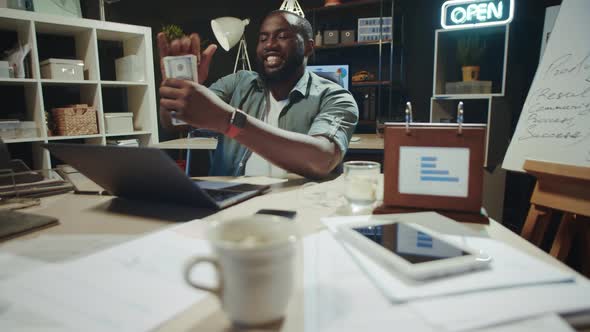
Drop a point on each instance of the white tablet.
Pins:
(411, 249)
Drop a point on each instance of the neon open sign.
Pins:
(476, 13)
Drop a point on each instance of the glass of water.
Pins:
(361, 183)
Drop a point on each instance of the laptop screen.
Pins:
(336, 73)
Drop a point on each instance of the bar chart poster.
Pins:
(434, 171)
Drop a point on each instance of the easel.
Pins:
(563, 188)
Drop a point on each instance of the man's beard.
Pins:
(290, 67)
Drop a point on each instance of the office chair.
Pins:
(197, 133)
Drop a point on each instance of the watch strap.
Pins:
(236, 123)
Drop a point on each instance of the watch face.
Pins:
(239, 119)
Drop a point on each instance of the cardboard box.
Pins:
(347, 37)
(63, 69)
(118, 123)
(331, 37)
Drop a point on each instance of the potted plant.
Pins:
(469, 53)
(172, 32)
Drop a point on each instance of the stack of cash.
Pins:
(183, 67)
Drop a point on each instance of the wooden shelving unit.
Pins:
(86, 36)
(379, 98)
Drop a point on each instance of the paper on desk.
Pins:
(259, 180)
(12, 265)
(338, 296)
(509, 268)
(134, 286)
(54, 248)
(545, 323)
(470, 311)
(21, 256)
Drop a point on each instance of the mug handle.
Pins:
(198, 260)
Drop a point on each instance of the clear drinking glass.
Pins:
(361, 179)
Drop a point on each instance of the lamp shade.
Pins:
(228, 30)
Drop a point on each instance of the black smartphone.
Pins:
(281, 213)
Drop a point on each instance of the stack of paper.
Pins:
(340, 281)
(132, 142)
(132, 287)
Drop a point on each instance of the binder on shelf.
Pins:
(434, 167)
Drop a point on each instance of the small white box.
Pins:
(4, 69)
(8, 129)
(118, 123)
(27, 129)
(130, 68)
(63, 69)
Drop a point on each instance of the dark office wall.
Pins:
(421, 19)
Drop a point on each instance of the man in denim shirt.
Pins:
(281, 115)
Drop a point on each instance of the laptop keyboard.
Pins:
(221, 195)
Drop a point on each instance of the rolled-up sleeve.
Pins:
(225, 86)
(336, 119)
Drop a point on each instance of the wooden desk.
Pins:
(366, 142)
(196, 143)
(84, 214)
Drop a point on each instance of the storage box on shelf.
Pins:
(118, 123)
(75, 120)
(52, 37)
(62, 69)
(15, 129)
(130, 68)
(4, 69)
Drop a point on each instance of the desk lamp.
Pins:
(229, 31)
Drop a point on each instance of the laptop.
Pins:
(149, 174)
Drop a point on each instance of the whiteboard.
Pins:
(554, 124)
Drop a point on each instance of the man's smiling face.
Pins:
(280, 51)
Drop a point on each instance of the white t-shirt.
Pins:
(256, 165)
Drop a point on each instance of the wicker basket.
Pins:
(74, 120)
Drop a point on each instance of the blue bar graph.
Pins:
(439, 179)
(434, 172)
(428, 158)
(428, 171)
(425, 165)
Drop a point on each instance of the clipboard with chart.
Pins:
(436, 167)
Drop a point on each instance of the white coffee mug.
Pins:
(255, 262)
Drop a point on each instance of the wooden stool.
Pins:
(559, 188)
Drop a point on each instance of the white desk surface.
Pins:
(365, 142)
(88, 214)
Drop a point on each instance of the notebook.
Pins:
(149, 174)
(13, 224)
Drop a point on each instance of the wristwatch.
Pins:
(236, 123)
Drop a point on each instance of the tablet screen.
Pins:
(410, 243)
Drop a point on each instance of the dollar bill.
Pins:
(183, 67)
